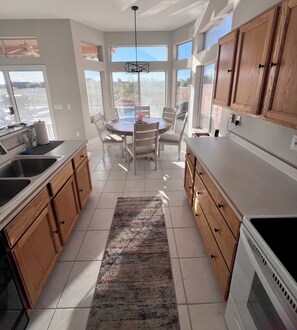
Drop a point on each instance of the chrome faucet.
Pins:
(3, 151)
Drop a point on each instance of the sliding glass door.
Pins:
(24, 98)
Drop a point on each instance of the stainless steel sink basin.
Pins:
(26, 167)
(10, 188)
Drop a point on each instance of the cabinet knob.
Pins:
(229, 70)
(196, 215)
(272, 64)
(55, 231)
(81, 190)
(261, 66)
(200, 173)
(216, 230)
(220, 206)
(199, 193)
(212, 256)
(62, 222)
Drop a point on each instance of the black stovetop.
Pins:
(281, 236)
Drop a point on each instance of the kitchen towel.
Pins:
(41, 133)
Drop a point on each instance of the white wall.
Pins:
(57, 54)
(83, 33)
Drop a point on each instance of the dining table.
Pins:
(125, 126)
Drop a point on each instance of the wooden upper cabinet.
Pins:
(225, 69)
(253, 51)
(280, 104)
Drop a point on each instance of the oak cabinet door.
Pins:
(66, 208)
(281, 94)
(36, 253)
(83, 182)
(225, 69)
(253, 51)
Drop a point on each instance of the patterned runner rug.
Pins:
(135, 288)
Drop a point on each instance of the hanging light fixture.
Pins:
(136, 67)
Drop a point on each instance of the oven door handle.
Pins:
(267, 281)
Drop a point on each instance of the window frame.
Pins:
(181, 44)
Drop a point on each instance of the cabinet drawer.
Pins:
(16, 228)
(217, 261)
(223, 235)
(59, 180)
(224, 208)
(79, 157)
(190, 156)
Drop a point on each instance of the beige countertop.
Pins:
(251, 185)
(65, 153)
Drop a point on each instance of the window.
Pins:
(94, 91)
(130, 90)
(92, 52)
(210, 115)
(148, 54)
(26, 100)
(183, 91)
(215, 33)
(184, 50)
(19, 48)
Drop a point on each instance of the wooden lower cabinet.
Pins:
(217, 224)
(221, 271)
(66, 208)
(36, 252)
(189, 174)
(35, 236)
(83, 182)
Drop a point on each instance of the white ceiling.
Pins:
(109, 15)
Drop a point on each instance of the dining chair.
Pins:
(174, 138)
(169, 114)
(145, 109)
(145, 143)
(106, 138)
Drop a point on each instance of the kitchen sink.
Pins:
(26, 167)
(10, 188)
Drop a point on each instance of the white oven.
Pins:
(263, 294)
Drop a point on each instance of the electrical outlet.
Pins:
(237, 120)
(232, 118)
(294, 143)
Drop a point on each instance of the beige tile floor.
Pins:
(66, 299)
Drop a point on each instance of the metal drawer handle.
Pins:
(55, 232)
(216, 230)
(273, 64)
(229, 70)
(199, 193)
(212, 256)
(196, 215)
(82, 156)
(62, 222)
(81, 190)
(261, 66)
(220, 206)
(200, 173)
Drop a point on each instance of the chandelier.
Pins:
(136, 67)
